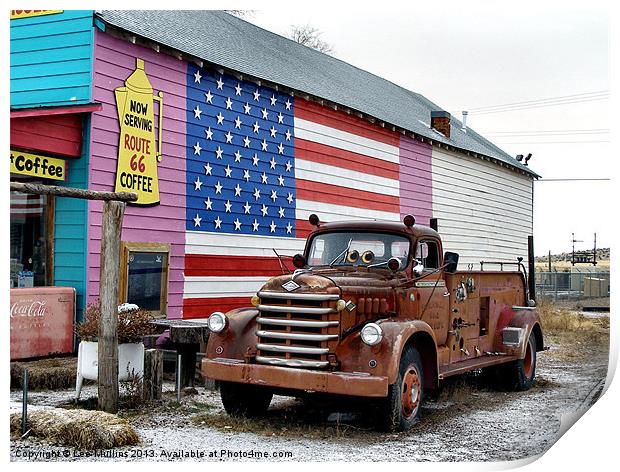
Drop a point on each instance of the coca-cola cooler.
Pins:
(42, 321)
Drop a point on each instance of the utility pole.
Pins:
(549, 260)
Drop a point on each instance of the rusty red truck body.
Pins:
(373, 310)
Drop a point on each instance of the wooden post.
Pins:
(153, 374)
(109, 275)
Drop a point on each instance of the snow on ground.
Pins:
(473, 423)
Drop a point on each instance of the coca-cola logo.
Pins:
(29, 308)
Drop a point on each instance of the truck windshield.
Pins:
(356, 248)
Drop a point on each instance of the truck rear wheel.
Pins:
(401, 409)
(519, 375)
(244, 400)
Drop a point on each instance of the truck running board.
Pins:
(472, 364)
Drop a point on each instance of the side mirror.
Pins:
(451, 261)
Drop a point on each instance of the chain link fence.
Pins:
(572, 286)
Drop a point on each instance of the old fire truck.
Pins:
(374, 310)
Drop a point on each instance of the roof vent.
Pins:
(464, 121)
(440, 121)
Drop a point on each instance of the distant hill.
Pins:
(602, 254)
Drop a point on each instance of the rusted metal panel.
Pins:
(42, 321)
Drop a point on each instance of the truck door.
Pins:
(431, 289)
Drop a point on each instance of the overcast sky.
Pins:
(469, 55)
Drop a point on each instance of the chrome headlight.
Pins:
(217, 322)
(372, 334)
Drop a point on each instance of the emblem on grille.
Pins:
(290, 286)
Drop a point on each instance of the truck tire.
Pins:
(401, 409)
(519, 375)
(244, 400)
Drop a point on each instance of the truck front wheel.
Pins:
(401, 409)
(244, 400)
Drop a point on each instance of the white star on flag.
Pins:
(273, 100)
(197, 112)
(209, 133)
(238, 89)
(280, 118)
(281, 212)
(218, 152)
(265, 114)
(238, 191)
(228, 206)
(218, 223)
(264, 210)
(274, 195)
(218, 187)
(256, 95)
(273, 227)
(246, 142)
(197, 77)
(220, 118)
(229, 137)
(208, 169)
(280, 148)
(197, 184)
(238, 123)
(209, 97)
(220, 84)
(208, 203)
(247, 108)
(288, 135)
(238, 156)
(273, 132)
(255, 225)
(287, 104)
(197, 148)
(228, 171)
(228, 103)
(281, 181)
(264, 178)
(237, 224)
(197, 220)
(246, 208)
(256, 194)
(272, 163)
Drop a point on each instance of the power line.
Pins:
(541, 105)
(554, 142)
(569, 180)
(578, 96)
(557, 132)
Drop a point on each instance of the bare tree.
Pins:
(243, 14)
(309, 36)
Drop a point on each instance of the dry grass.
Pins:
(574, 333)
(81, 429)
(46, 374)
(298, 423)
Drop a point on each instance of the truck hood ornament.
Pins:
(290, 286)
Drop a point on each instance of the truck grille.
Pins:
(297, 329)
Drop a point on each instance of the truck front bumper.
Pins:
(342, 383)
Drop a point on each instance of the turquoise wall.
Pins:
(52, 59)
(70, 228)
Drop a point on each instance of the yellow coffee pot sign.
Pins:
(136, 169)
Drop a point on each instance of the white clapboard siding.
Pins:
(484, 210)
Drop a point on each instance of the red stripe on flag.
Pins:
(202, 265)
(203, 307)
(332, 156)
(340, 120)
(320, 192)
(303, 228)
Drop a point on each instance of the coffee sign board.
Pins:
(42, 320)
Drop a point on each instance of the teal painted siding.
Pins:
(70, 228)
(52, 59)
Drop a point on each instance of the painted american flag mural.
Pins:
(258, 163)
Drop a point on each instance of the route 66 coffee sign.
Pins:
(137, 152)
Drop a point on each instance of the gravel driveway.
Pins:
(467, 422)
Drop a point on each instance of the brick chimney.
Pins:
(440, 121)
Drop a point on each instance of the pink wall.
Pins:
(114, 61)
(415, 180)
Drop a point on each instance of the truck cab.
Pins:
(374, 310)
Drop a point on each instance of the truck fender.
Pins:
(526, 319)
(420, 335)
(233, 342)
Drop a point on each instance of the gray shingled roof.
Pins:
(235, 44)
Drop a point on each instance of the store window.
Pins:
(31, 235)
(144, 276)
